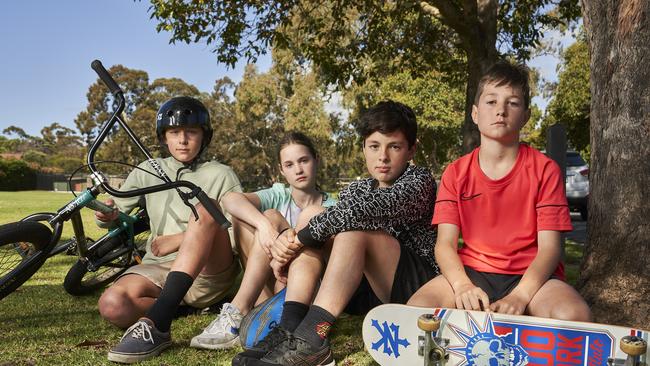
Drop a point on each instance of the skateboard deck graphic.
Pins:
(392, 337)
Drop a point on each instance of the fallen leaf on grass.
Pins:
(95, 344)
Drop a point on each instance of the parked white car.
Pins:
(577, 183)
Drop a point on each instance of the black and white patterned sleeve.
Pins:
(410, 197)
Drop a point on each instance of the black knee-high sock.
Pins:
(162, 311)
(316, 326)
(292, 314)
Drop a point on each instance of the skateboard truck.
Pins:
(434, 349)
(633, 347)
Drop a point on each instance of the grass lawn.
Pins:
(40, 324)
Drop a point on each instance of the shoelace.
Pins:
(273, 338)
(139, 330)
(217, 324)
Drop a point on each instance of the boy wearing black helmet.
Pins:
(186, 260)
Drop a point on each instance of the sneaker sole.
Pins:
(331, 363)
(196, 343)
(137, 357)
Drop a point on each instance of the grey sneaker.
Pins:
(223, 332)
(140, 342)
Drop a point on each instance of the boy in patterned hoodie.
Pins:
(378, 240)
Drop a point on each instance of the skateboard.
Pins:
(396, 334)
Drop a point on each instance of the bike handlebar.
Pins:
(106, 77)
(194, 190)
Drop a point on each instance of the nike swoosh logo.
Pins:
(465, 197)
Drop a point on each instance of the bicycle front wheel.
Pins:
(24, 247)
(112, 258)
(81, 281)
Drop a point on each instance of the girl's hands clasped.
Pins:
(286, 246)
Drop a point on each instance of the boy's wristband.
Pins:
(305, 237)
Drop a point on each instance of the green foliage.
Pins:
(534, 132)
(265, 105)
(4, 144)
(16, 175)
(521, 22)
(362, 40)
(437, 103)
(439, 108)
(22, 142)
(142, 102)
(59, 149)
(572, 97)
(36, 157)
(258, 113)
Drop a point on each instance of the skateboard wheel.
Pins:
(633, 346)
(428, 322)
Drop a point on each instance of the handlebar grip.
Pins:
(106, 77)
(213, 210)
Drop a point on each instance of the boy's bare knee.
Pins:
(573, 312)
(350, 240)
(113, 306)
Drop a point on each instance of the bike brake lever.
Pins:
(186, 200)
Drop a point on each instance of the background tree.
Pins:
(258, 113)
(58, 150)
(363, 39)
(437, 103)
(22, 142)
(134, 83)
(142, 102)
(221, 106)
(614, 275)
(571, 96)
(62, 147)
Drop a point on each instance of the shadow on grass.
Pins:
(40, 324)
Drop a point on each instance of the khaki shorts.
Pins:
(206, 289)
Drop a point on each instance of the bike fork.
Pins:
(80, 235)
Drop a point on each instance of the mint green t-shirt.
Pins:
(167, 212)
(278, 197)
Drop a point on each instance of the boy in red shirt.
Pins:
(508, 202)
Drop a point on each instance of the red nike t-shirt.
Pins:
(499, 219)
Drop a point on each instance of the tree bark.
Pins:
(478, 62)
(475, 22)
(615, 277)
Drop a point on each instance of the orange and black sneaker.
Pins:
(276, 336)
(295, 351)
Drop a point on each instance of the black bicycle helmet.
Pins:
(184, 111)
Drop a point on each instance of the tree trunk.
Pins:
(477, 64)
(480, 44)
(615, 277)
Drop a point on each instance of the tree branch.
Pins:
(449, 14)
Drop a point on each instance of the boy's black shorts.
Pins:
(412, 272)
(495, 285)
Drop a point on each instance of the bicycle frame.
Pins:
(72, 212)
